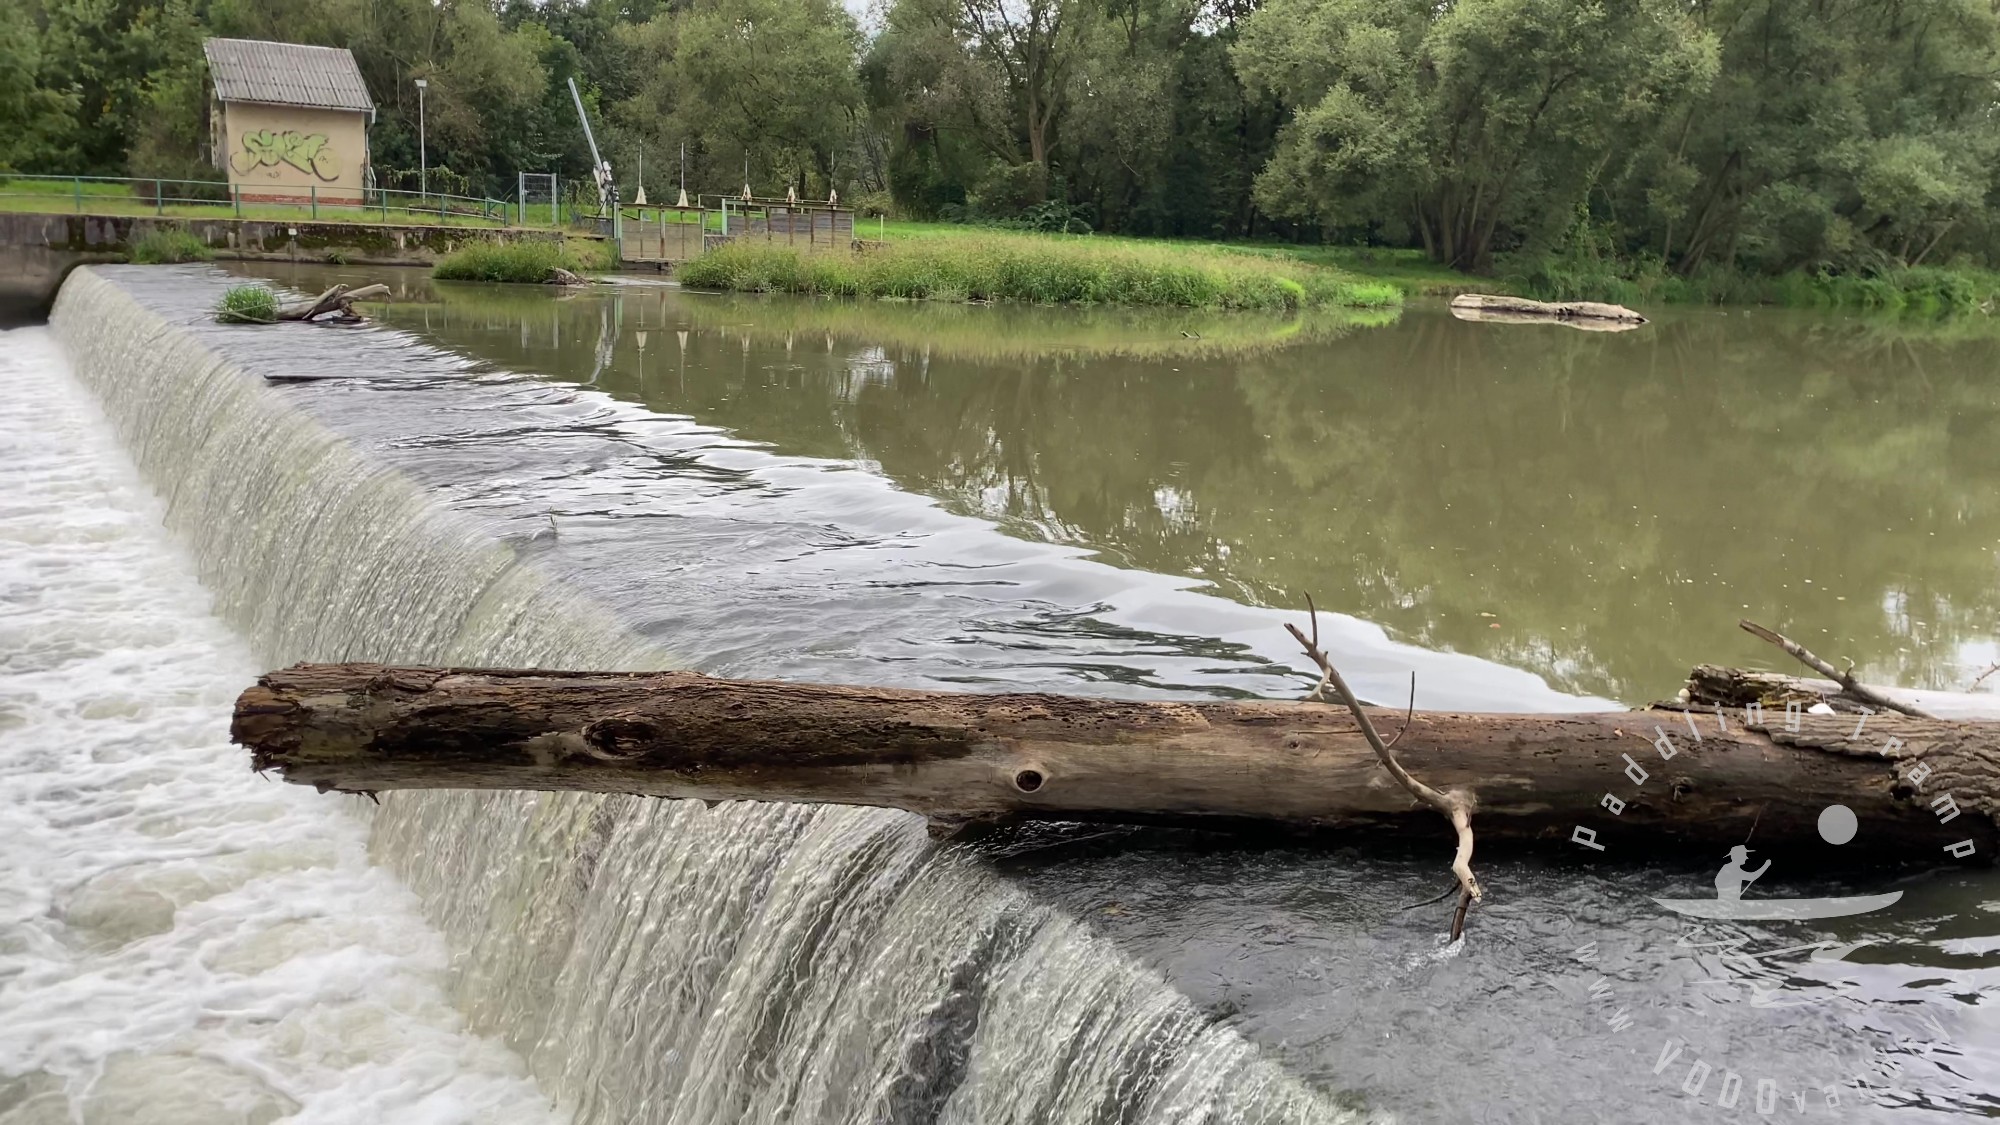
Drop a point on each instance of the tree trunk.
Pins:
(960, 759)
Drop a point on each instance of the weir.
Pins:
(653, 961)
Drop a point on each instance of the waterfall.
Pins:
(653, 961)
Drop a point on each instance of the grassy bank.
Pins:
(166, 245)
(531, 262)
(1927, 290)
(1407, 270)
(1041, 269)
(1923, 290)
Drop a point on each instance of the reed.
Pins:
(530, 262)
(247, 304)
(166, 245)
(1048, 270)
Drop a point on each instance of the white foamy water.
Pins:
(181, 942)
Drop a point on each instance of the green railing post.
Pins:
(236, 198)
(159, 199)
(76, 183)
(314, 189)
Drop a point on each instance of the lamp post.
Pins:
(423, 153)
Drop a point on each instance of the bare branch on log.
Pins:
(1456, 806)
(1981, 678)
(1846, 680)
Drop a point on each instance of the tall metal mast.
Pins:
(607, 189)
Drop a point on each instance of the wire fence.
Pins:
(115, 195)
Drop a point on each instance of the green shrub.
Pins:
(247, 304)
(1039, 269)
(167, 245)
(1921, 290)
(875, 205)
(531, 261)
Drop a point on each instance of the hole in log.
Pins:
(1027, 781)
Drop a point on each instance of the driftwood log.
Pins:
(1594, 315)
(338, 300)
(970, 760)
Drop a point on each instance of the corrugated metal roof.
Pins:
(252, 70)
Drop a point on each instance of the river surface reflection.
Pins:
(1596, 508)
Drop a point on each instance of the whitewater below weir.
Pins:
(181, 941)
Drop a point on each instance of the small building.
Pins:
(289, 123)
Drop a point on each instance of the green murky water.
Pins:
(1598, 508)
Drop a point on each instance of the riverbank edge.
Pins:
(1916, 290)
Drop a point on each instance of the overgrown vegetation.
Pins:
(1045, 270)
(530, 261)
(247, 304)
(166, 245)
(1836, 151)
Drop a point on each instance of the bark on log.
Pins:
(1578, 314)
(993, 758)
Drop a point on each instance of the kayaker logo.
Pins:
(1730, 882)
(1737, 942)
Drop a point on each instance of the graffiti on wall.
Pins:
(268, 148)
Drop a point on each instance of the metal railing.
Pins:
(122, 195)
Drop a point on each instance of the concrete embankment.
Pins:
(38, 251)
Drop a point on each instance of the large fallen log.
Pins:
(1594, 315)
(963, 759)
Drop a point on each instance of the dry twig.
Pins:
(1846, 680)
(1981, 678)
(1455, 806)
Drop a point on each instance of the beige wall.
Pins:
(333, 167)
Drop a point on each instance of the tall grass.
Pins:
(1922, 290)
(1039, 269)
(166, 245)
(532, 261)
(247, 304)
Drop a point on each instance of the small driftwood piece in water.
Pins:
(1593, 315)
(966, 759)
(1981, 677)
(338, 300)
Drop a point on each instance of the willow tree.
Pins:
(1472, 122)
(1845, 134)
(768, 81)
(997, 71)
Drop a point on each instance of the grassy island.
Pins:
(1041, 269)
(529, 262)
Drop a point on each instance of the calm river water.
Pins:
(1534, 517)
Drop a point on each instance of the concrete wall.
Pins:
(38, 251)
(293, 153)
